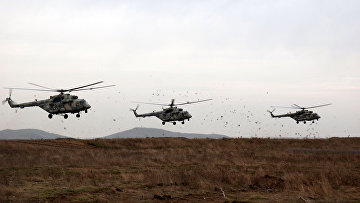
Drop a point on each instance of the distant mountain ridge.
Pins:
(34, 134)
(154, 132)
(27, 134)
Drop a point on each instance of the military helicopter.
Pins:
(170, 114)
(60, 104)
(302, 115)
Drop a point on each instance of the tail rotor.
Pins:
(9, 98)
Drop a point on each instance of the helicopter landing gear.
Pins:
(183, 122)
(174, 123)
(188, 119)
(78, 115)
(313, 121)
(304, 122)
(86, 111)
(297, 122)
(163, 123)
(66, 116)
(50, 116)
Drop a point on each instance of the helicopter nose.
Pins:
(188, 115)
(86, 105)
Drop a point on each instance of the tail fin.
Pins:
(134, 110)
(271, 113)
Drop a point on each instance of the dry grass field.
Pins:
(181, 170)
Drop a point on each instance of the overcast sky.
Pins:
(246, 55)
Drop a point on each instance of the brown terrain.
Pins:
(181, 170)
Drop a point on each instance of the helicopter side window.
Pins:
(57, 99)
(168, 110)
(180, 109)
(75, 97)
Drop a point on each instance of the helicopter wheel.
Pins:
(66, 116)
(297, 122)
(188, 119)
(86, 111)
(313, 121)
(183, 122)
(174, 123)
(50, 116)
(304, 122)
(163, 123)
(77, 115)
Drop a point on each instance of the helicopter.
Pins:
(60, 104)
(302, 115)
(170, 114)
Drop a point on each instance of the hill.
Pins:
(153, 132)
(27, 134)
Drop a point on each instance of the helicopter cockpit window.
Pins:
(82, 102)
(57, 99)
(75, 97)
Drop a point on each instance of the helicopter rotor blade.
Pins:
(14, 88)
(285, 107)
(298, 107)
(193, 102)
(172, 102)
(40, 86)
(151, 103)
(93, 88)
(76, 88)
(310, 107)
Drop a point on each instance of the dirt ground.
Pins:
(181, 170)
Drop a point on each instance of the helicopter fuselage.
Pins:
(58, 104)
(302, 115)
(171, 114)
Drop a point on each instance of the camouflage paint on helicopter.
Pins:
(60, 104)
(302, 115)
(171, 114)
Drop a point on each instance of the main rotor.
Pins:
(295, 106)
(173, 104)
(47, 89)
